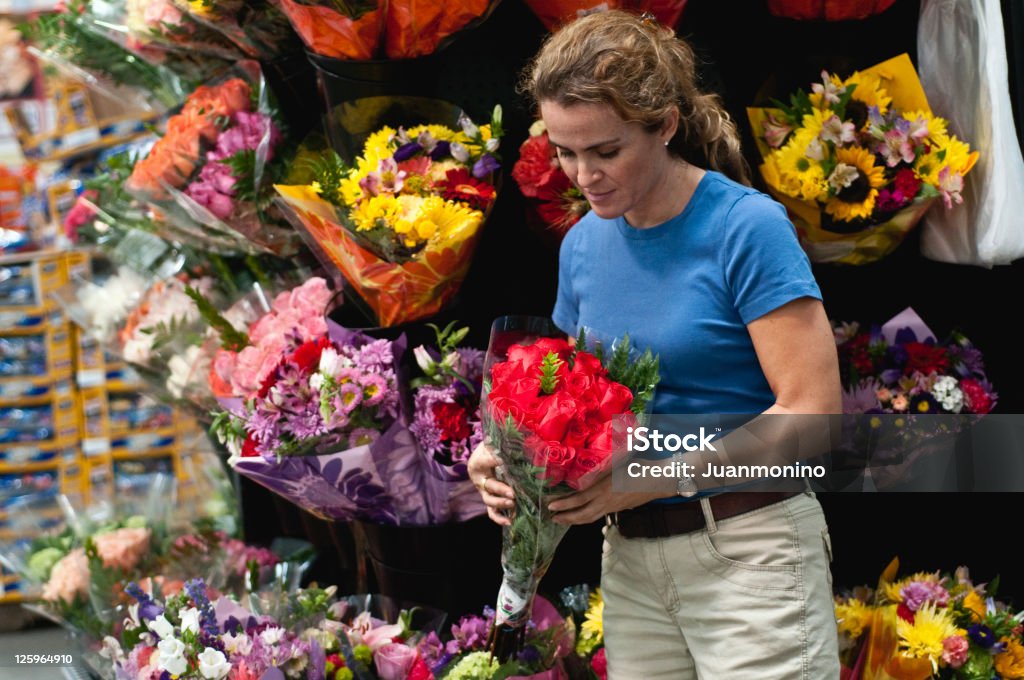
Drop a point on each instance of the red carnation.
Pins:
(536, 165)
(976, 398)
(420, 670)
(249, 448)
(925, 358)
(307, 356)
(452, 420)
(905, 612)
(599, 664)
(907, 183)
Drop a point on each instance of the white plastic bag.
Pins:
(961, 51)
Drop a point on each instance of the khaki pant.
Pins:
(745, 597)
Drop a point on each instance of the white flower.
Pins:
(947, 392)
(161, 626)
(272, 636)
(239, 644)
(837, 131)
(459, 152)
(492, 144)
(815, 150)
(182, 367)
(189, 620)
(843, 176)
(213, 665)
(423, 359)
(172, 656)
(132, 620)
(468, 126)
(330, 362)
(112, 650)
(316, 381)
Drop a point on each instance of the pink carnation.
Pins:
(69, 578)
(250, 129)
(954, 651)
(122, 548)
(309, 299)
(214, 189)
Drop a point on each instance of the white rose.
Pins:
(161, 626)
(189, 620)
(172, 656)
(213, 665)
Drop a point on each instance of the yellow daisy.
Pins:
(855, 181)
(937, 134)
(454, 222)
(377, 211)
(974, 603)
(853, 617)
(378, 146)
(955, 154)
(923, 638)
(800, 175)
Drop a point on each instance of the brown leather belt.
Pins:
(659, 520)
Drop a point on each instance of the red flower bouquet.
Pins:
(548, 411)
(555, 202)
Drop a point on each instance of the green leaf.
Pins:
(548, 372)
(230, 338)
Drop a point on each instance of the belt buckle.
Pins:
(612, 519)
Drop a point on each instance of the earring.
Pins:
(666, 142)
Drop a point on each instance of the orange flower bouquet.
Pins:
(210, 174)
(401, 222)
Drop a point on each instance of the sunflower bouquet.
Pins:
(928, 625)
(402, 220)
(859, 160)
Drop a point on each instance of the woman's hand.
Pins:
(597, 500)
(498, 497)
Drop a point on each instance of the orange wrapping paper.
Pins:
(415, 28)
(397, 293)
(554, 13)
(331, 34)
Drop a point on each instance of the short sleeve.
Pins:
(566, 314)
(764, 265)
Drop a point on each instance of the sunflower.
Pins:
(867, 92)
(923, 638)
(801, 176)
(855, 181)
(1010, 663)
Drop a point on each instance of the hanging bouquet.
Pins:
(915, 393)
(367, 29)
(210, 174)
(929, 625)
(554, 13)
(900, 368)
(858, 161)
(81, 47)
(557, 202)
(402, 221)
(548, 410)
(446, 421)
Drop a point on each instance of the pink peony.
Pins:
(214, 189)
(954, 651)
(394, 661)
(310, 298)
(69, 578)
(122, 548)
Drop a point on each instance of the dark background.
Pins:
(741, 47)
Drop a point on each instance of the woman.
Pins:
(678, 252)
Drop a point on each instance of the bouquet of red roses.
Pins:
(550, 412)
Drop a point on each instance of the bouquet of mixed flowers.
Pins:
(556, 200)
(212, 171)
(858, 161)
(368, 29)
(586, 607)
(402, 221)
(929, 625)
(446, 421)
(548, 411)
(916, 394)
(900, 367)
(255, 27)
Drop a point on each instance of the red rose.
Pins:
(249, 448)
(578, 384)
(925, 358)
(553, 416)
(524, 392)
(577, 432)
(615, 398)
(606, 437)
(420, 670)
(976, 398)
(559, 346)
(556, 459)
(452, 420)
(503, 407)
(599, 664)
(588, 364)
(586, 465)
(536, 164)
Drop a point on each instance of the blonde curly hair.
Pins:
(643, 71)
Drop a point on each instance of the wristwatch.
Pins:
(686, 485)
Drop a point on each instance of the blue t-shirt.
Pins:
(686, 289)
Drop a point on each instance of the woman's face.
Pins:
(620, 167)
